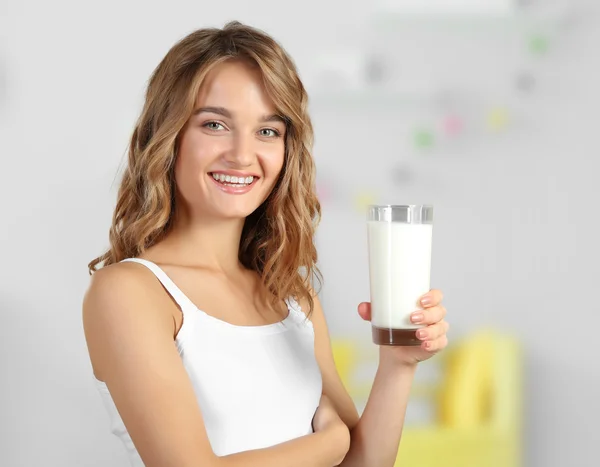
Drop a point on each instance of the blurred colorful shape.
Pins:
(453, 125)
(538, 44)
(423, 138)
(324, 192)
(363, 199)
(497, 118)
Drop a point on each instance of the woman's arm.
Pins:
(303, 451)
(130, 342)
(375, 439)
(375, 436)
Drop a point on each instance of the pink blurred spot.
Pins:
(323, 192)
(453, 125)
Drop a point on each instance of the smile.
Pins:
(233, 185)
(229, 180)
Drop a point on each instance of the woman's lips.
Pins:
(231, 188)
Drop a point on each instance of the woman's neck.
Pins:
(210, 245)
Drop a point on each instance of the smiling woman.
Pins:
(230, 102)
(207, 341)
(234, 133)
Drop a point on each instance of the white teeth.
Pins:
(232, 179)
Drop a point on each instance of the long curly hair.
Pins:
(278, 237)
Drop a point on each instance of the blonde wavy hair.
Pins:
(278, 238)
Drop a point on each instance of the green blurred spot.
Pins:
(424, 138)
(538, 44)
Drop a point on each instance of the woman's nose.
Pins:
(242, 151)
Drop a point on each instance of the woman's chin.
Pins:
(238, 212)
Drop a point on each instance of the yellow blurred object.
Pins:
(464, 400)
(363, 200)
(498, 119)
(477, 404)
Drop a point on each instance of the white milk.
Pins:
(399, 270)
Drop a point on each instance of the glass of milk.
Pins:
(399, 238)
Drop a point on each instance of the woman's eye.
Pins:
(215, 126)
(269, 133)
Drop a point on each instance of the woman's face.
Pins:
(232, 148)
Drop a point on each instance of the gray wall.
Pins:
(515, 235)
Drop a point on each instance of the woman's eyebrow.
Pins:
(227, 114)
(214, 110)
(273, 118)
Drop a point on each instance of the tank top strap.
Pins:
(295, 309)
(180, 298)
(294, 306)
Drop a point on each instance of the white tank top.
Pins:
(256, 386)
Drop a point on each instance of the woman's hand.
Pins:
(326, 419)
(433, 335)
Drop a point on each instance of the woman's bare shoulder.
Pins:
(130, 342)
(120, 300)
(117, 282)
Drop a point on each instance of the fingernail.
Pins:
(417, 317)
(426, 300)
(421, 334)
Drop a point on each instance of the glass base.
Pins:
(404, 337)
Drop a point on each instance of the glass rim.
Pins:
(400, 206)
(401, 213)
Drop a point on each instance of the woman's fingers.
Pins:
(364, 310)
(429, 315)
(432, 298)
(436, 345)
(433, 331)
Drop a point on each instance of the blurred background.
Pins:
(487, 109)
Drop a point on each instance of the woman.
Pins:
(207, 341)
